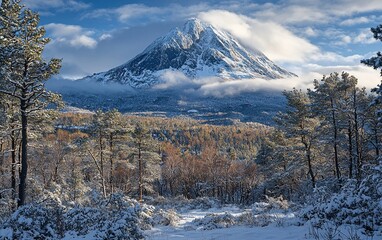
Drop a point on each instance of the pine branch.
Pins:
(95, 161)
(10, 94)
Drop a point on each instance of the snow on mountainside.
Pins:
(197, 50)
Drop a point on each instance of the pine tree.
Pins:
(116, 133)
(325, 102)
(23, 71)
(148, 159)
(99, 130)
(10, 137)
(354, 106)
(300, 127)
(373, 128)
(376, 61)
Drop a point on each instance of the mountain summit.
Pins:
(197, 50)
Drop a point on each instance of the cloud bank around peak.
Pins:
(274, 40)
(222, 87)
(293, 52)
(219, 87)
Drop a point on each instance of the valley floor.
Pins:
(232, 223)
(243, 233)
(186, 228)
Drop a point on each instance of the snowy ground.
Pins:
(121, 217)
(187, 229)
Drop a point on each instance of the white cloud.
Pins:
(217, 87)
(284, 12)
(234, 87)
(367, 77)
(141, 14)
(365, 37)
(314, 11)
(71, 5)
(129, 11)
(292, 13)
(310, 32)
(326, 58)
(354, 21)
(274, 40)
(83, 40)
(105, 36)
(72, 35)
(350, 7)
(172, 79)
(346, 39)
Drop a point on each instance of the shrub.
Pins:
(38, 221)
(213, 221)
(115, 218)
(356, 204)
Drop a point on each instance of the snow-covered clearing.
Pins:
(192, 225)
(120, 217)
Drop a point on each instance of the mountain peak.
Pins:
(194, 27)
(197, 50)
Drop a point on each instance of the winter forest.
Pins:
(314, 174)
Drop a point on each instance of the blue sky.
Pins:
(308, 37)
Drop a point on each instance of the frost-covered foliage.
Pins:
(166, 217)
(356, 204)
(6, 203)
(34, 221)
(183, 204)
(274, 211)
(213, 221)
(375, 62)
(248, 218)
(117, 217)
(277, 203)
(330, 230)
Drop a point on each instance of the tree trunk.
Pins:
(313, 179)
(111, 180)
(55, 172)
(2, 159)
(24, 152)
(101, 166)
(13, 164)
(376, 142)
(357, 138)
(335, 140)
(309, 159)
(351, 158)
(140, 173)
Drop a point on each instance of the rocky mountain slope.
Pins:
(196, 50)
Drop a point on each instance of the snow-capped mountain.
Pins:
(197, 50)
